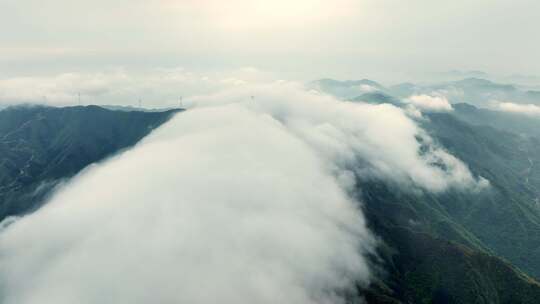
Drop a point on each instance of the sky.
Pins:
(386, 40)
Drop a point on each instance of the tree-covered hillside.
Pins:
(460, 246)
(41, 146)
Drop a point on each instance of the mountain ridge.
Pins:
(43, 145)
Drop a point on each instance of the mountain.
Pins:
(483, 84)
(42, 146)
(534, 95)
(515, 123)
(404, 90)
(378, 98)
(476, 91)
(461, 246)
(462, 74)
(464, 246)
(501, 223)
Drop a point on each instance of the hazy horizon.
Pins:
(389, 41)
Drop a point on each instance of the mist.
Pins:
(430, 103)
(154, 87)
(345, 38)
(516, 108)
(247, 197)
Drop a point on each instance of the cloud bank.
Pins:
(241, 199)
(525, 109)
(220, 205)
(381, 137)
(430, 103)
(157, 87)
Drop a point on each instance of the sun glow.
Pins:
(248, 15)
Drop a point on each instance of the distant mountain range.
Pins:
(453, 247)
(475, 91)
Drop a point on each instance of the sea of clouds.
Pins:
(243, 198)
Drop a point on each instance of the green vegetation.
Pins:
(463, 246)
(41, 146)
(427, 257)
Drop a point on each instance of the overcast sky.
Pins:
(299, 39)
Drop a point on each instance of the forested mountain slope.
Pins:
(41, 146)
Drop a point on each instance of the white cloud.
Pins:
(526, 109)
(430, 103)
(157, 87)
(381, 136)
(413, 112)
(366, 88)
(237, 200)
(220, 205)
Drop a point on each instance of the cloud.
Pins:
(525, 109)
(220, 205)
(413, 112)
(367, 88)
(430, 103)
(7, 222)
(156, 87)
(381, 136)
(241, 199)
